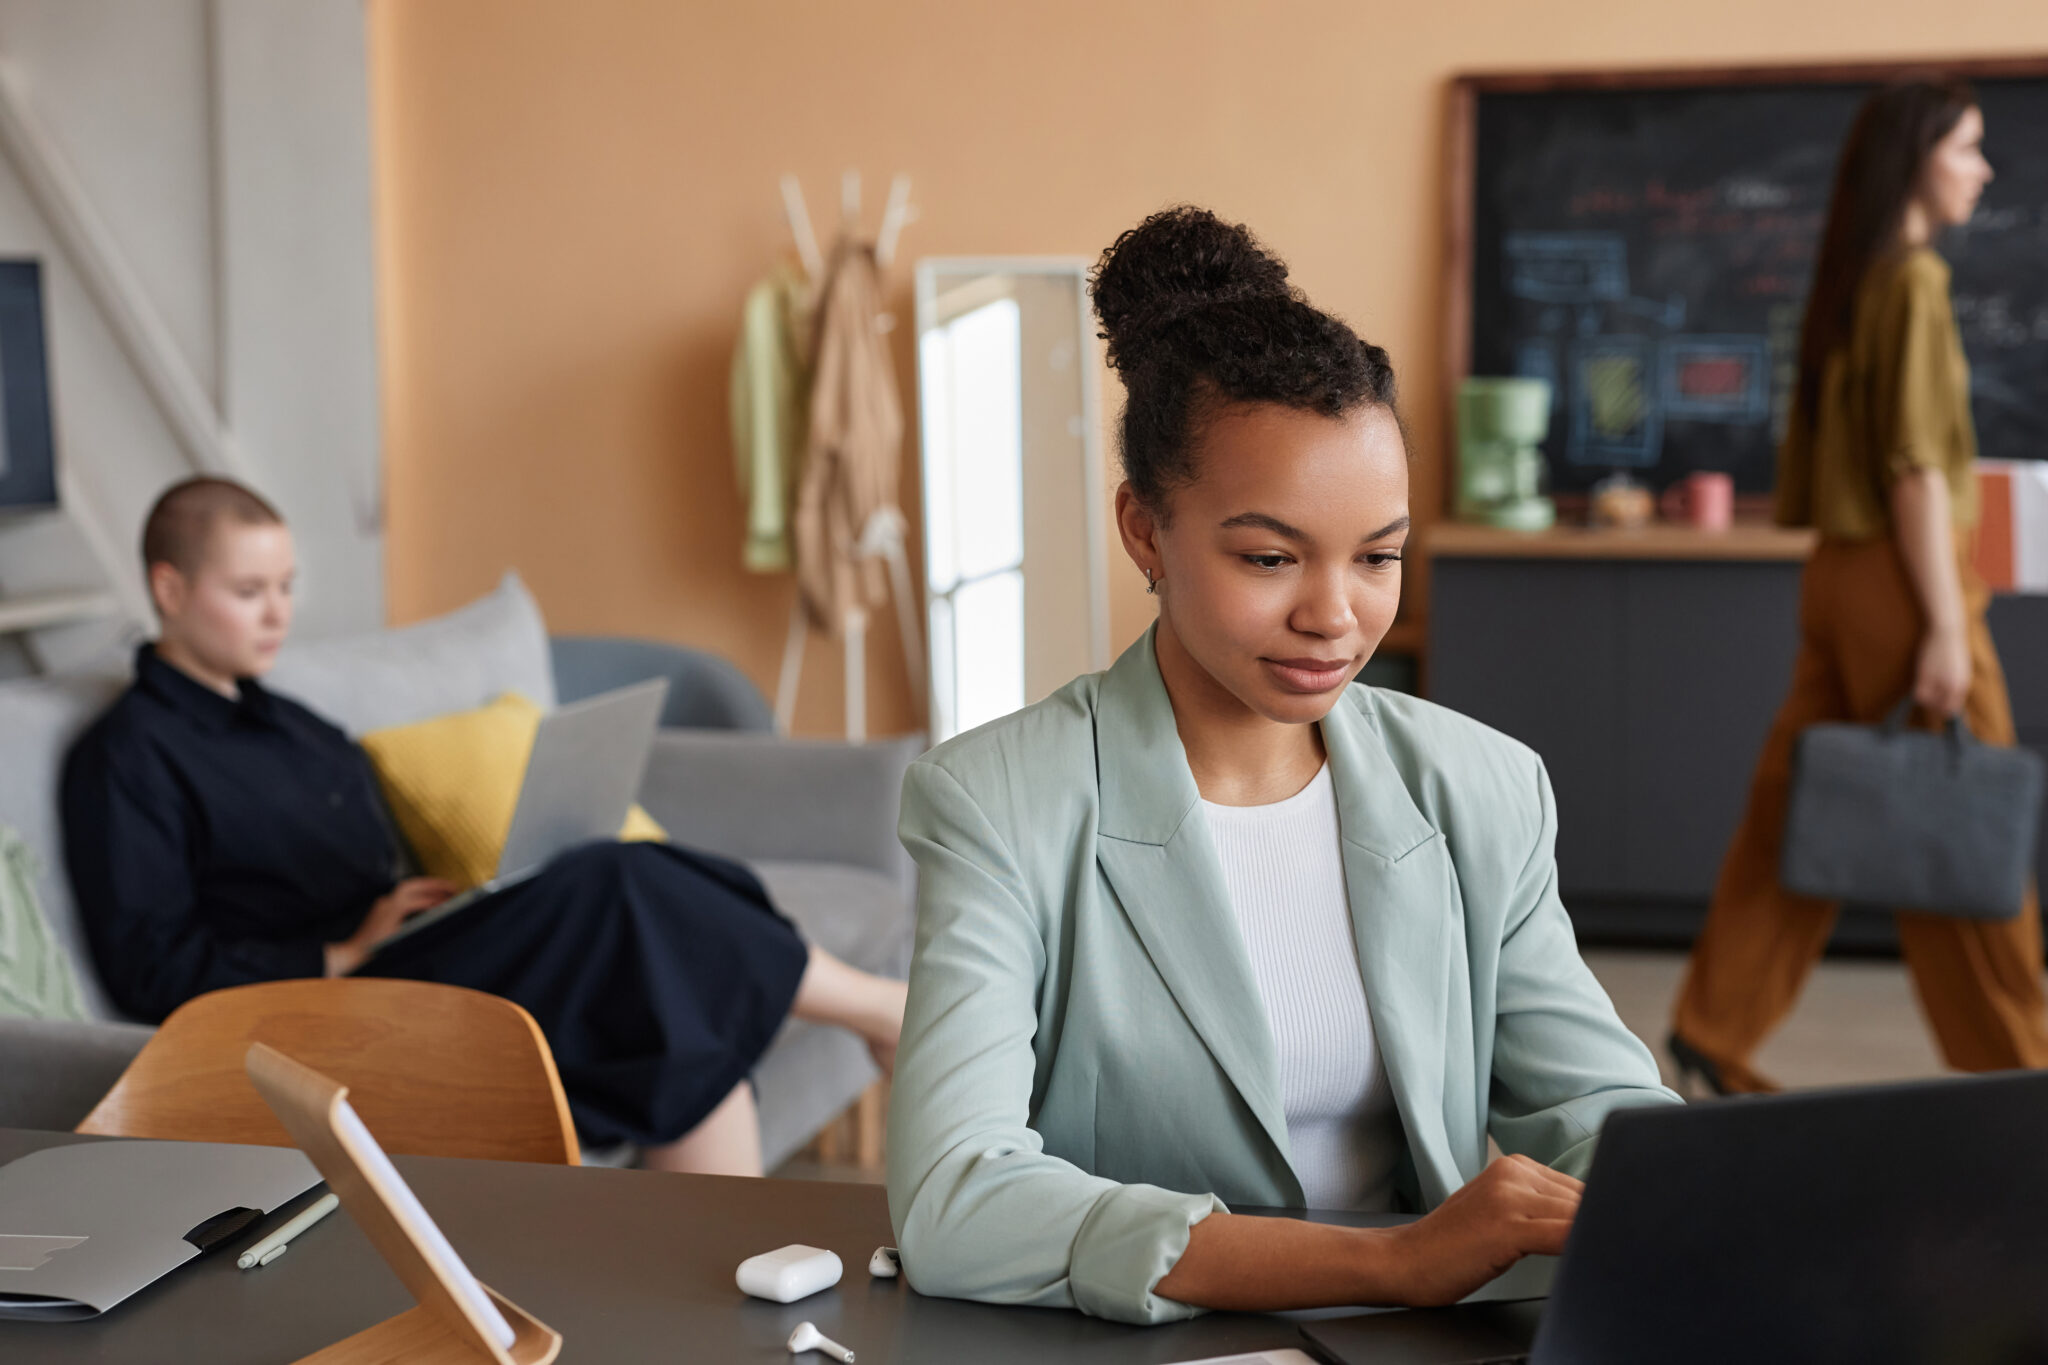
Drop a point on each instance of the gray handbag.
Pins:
(1881, 815)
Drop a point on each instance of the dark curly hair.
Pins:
(1199, 316)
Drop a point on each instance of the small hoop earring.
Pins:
(1151, 584)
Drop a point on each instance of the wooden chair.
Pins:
(432, 1070)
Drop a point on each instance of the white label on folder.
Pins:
(19, 1251)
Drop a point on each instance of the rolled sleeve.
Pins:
(1919, 383)
(1133, 1236)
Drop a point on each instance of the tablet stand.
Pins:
(442, 1330)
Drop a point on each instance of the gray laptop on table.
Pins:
(1898, 1223)
(588, 761)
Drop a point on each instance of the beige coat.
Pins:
(855, 450)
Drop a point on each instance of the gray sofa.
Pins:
(816, 820)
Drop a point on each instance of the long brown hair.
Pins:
(1888, 145)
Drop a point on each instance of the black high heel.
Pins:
(1692, 1062)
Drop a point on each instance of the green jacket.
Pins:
(1086, 1070)
(769, 393)
(35, 973)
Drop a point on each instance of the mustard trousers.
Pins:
(1979, 982)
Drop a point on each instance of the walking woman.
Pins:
(1217, 925)
(1879, 457)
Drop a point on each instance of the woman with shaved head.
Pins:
(219, 834)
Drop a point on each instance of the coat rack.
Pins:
(883, 537)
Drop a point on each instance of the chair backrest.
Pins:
(432, 1070)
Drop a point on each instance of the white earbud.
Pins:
(885, 1264)
(807, 1337)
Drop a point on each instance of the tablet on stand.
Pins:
(458, 1321)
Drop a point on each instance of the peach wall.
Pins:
(574, 195)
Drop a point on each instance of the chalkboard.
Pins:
(1648, 249)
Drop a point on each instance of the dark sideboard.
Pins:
(1645, 668)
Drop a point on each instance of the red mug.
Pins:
(1704, 499)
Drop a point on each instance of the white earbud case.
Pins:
(793, 1273)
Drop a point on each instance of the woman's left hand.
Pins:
(410, 897)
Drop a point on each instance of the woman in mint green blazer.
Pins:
(1088, 1076)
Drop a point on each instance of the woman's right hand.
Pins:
(1516, 1207)
(391, 910)
(1941, 679)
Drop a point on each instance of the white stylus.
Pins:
(807, 1337)
(272, 1247)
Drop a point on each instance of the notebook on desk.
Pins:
(85, 1225)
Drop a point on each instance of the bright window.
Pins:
(972, 399)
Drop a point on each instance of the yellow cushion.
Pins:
(452, 783)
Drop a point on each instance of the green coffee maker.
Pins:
(1501, 474)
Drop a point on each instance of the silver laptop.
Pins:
(588, 760)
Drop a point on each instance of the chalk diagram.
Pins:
(1618, 388)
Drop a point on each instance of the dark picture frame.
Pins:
(28, 468)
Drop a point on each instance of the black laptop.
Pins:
(1899, 1223)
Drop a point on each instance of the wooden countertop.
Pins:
(1658, 540)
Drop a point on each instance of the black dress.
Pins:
(215, 842)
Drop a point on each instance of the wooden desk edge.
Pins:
(1751, 541)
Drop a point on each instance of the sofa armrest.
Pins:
(756, 796)
(53, 1071)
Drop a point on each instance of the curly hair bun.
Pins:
(1178, 262)
(1198, 315)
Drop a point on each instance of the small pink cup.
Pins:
(1704, 499)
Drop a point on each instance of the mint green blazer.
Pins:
(1086, 1070)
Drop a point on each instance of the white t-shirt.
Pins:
(1283, 865)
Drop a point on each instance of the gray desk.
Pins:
(627, 1265)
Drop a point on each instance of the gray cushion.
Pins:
(853, 913)
(768, 799)
(365, 682)
(39, 718)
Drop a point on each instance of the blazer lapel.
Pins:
(1156, 855)
(1398, 876)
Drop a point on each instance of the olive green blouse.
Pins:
(1895, 398)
